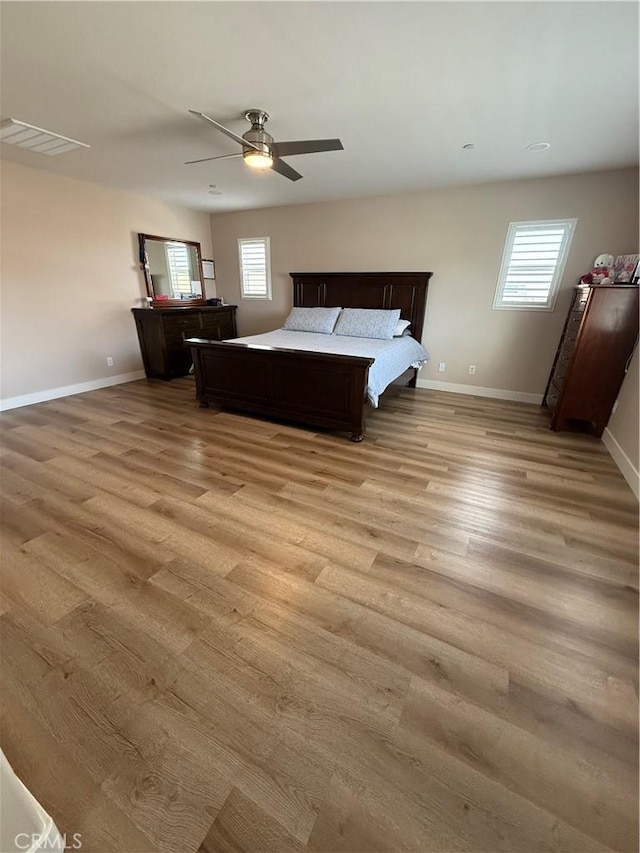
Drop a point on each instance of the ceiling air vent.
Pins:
(24, 135)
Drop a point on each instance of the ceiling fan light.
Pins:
(258, 159)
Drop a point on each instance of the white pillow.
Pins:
(401, 328)
(320, 320)
(367, 323)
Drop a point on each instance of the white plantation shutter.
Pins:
(179, 267)
(532, 264)
(255, 274)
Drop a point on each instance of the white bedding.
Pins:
(392, 358)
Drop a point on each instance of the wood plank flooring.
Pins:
(221, 633)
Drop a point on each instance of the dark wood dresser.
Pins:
(593, 354)
(161, 332)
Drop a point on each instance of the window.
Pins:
(255, 272)
(533, 263)
(179, 267)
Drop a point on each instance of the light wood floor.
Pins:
(221, 633)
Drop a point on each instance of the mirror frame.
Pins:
(144, 263)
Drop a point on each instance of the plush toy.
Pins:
(601, 272)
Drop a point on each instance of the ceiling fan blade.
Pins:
(224, 129)
(285, 169)
(306, 146)
(219, 157)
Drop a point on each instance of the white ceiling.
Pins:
(404, 85)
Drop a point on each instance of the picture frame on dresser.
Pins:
(626, 269)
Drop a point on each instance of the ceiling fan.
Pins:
(260, 151)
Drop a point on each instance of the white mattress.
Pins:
(392, 358)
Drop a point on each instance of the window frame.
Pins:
(267, 255)
(512, 230)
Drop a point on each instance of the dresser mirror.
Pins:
(172, 270)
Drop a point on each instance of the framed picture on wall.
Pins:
(208, 269)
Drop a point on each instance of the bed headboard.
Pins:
(404, 290)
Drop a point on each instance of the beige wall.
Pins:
(457, 233)
(70, 276)
(623, 424)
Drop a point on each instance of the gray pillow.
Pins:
(320, 320)
(402, 328)
(367, 323)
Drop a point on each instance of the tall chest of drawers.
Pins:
(592, 357)
(162, 331)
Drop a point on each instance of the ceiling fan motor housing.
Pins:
(258, 136)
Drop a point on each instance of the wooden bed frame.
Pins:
(319, 389)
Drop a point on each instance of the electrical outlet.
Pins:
(442, 367)
(109, 361)
(472, 369)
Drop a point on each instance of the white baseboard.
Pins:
(626, 466)
(479, 391)
(68, 390)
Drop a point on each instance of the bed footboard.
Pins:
(318, 389)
